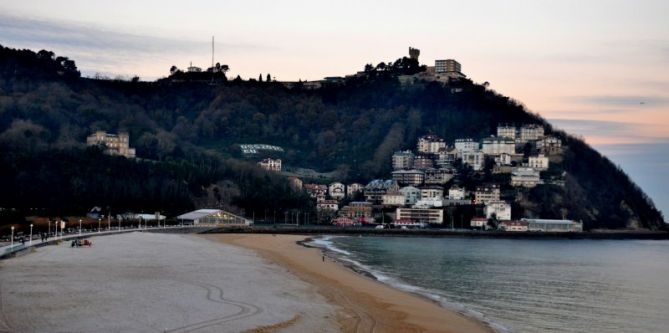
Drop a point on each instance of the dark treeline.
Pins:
(47, 110)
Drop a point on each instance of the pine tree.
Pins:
(260, 77)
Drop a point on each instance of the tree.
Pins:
(225, 68)
(269, 78)
(260, 77)
(173, 69)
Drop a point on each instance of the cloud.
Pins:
(622, 100)
(605, 131)
(96, 49)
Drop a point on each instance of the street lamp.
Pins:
(99, 221)
(31, 234)
(12, 237)
(79, 227)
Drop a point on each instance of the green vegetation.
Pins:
(184, 129)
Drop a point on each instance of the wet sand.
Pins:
(365, 305)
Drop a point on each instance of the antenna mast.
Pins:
(212, 51)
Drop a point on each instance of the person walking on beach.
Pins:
(323, 258)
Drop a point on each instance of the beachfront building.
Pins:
(375, 190)
(394, 198)
(403, 160)
(353, 189)
(356, 210)
(498, 145)
(409, 177)
(539, 162)
(430, 144)
(530, 132)
(548, 225)
(117, 145)
(525, 177)
(327, 205)
(506, 131)
(411, 194)
(516, 226)
(487, 193)
(456, 193)
(270, 164)
(438, 176)
(337, 191)
(478, 223)
(475, 159)
(466, 145)
(420, 215)
(213, 216)
(499, 209)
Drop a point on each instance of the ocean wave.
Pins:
(346, 257)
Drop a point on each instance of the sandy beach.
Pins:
(145, 282)
(364, 305)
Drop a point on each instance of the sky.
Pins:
(598, 68)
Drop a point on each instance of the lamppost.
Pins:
(99, 221)
(79, 227)
(48, 222)
(31, 234)
(12, 237)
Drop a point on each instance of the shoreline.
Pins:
(322, 230)
(365, 303)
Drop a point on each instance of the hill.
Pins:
(187, 133)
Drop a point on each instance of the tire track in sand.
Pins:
(215, 294)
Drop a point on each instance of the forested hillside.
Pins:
(187, 134)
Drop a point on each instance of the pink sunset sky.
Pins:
(595, 68)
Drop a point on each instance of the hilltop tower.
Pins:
(414, 53)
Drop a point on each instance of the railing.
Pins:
(17, 247)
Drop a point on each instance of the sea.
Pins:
(524, 285)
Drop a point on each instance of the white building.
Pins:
(525, 177)
(466, 145)
(486, 194)
(337, 191)
(531, 132)
(411, 194)
(420, 215)
(429, 203)
(498, 145)
(475, 159)
(113, 144)
(456, 193)
(518, 226)
(408, 177)
(539, 162)
(353, 188)
(270, 164)
(395, 198)
(327, 205)
(503, 159)
(546, 225)
(550, 145)
(403, 160)
(506, 131)
(500, 209)
(213, 216)
(449, 68)
(478, 222)
(430, 144)
(438, 176)
(431, 192)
